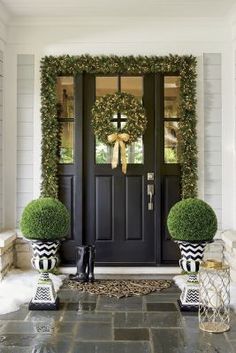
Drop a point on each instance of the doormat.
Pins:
(119, 288)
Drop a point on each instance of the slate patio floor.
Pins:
(91, 324)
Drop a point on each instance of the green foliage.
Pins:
(54, 66)
(192, 220)
(45, 219)
(108, 105)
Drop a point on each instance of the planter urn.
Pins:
(44, 260)
(45, 222)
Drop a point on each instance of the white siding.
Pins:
(1, 120)
(25, 105)
(213, 133)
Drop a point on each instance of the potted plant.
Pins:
(192, 223)
(45, 222)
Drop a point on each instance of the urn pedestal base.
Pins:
(44, 306)
(44, 260)
(192, 254)
(182, 307)
(44, 297)
(189, 298)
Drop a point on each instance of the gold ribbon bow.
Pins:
(120, 140)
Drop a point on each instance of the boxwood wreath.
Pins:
(54, 66)
(102, 112)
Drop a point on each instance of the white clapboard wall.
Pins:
(213, 133)
(25, 104)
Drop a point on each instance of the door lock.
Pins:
(150, 193)
(150, 176)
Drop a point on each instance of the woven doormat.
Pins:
(119, 288)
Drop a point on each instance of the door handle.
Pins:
(150, 193)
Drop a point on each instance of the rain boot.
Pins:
(82, 260)
(91, 260)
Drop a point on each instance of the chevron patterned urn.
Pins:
(45, 249)
(44, 260)
(191, 258)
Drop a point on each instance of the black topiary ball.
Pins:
(45, 219)
(192, 220)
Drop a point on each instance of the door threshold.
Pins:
(127, 272)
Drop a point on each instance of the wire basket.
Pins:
(214, 297)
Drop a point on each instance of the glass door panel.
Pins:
(106, 85)
(172, 148)
(171, 119)
(65, 97)
(67, 143)
(110, 85)
(66, 118)
(171, 92)
(132, 85)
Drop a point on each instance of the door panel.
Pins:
(66, 195)
(171, 194)
(123, 230)
(134, 207)
(104, 207)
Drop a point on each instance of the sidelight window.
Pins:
(171, 119)
(66, 116)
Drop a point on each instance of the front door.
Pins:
(123, 215)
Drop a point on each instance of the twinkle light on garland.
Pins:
(54, 66)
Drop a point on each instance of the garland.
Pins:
(66, 65)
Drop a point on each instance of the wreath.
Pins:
(103, 111)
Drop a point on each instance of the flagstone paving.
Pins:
(93, 324)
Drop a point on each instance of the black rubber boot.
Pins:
(82, 260)
(91, 261)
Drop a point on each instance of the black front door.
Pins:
(124, 215)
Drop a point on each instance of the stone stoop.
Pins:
(23, 253)
(7, 240)
(229, 239)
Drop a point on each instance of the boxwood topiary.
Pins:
(45, 219)
(192, 220)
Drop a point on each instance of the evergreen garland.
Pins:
(54, 66)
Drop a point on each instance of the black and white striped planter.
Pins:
(191, 258)
(45, 249)
(191, 255)
(44, 264)
(44, 260)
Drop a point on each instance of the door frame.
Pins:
(78, 220)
